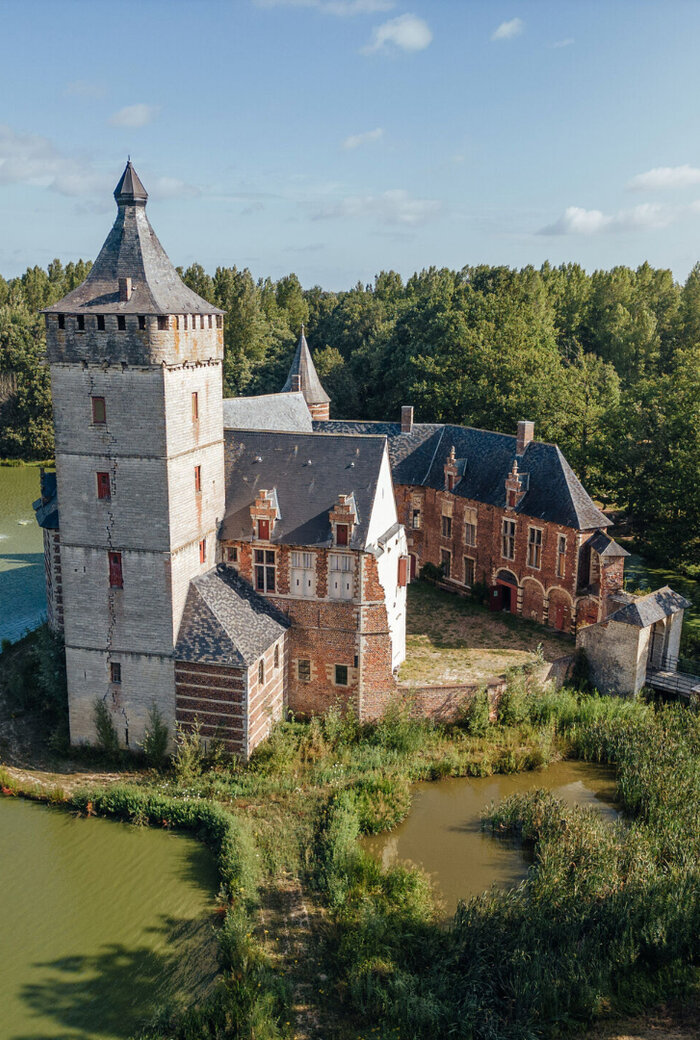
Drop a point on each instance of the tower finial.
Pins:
(130, 191)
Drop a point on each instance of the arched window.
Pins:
(261, 671)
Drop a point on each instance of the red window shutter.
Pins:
(403, 571)
(116, 579)
(341, 534)
(103, 486)
(203, 550)
(264, 529)
(198, 478)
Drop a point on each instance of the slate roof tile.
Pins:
(647, 610)
(285, 411)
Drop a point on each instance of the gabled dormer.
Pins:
(454, 470)
(264, 513)
(516, 485)
(343, 518)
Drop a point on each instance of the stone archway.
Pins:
(533, 599)
(559, 609)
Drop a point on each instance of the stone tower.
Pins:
(303, 376)
(136, 373)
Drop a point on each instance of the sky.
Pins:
(338, 138)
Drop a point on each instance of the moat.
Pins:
(22, 581)
(102, 923)
(443, 831)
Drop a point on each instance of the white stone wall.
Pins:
(384, 517)
(617, 655)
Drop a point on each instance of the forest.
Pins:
(606, 364)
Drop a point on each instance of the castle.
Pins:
(227, 559)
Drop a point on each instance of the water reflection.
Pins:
(443, 830)
(22, 589)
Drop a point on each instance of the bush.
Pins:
(432, 573)
(155, 738)
(188, 759)
(476, 716)
(397, 730)
(106, 733)
(480, 592)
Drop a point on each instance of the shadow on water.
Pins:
(22, 593)
(115, 992)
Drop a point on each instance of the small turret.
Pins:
(304, 377)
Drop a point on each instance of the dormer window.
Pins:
(263, 530)
(341, 534)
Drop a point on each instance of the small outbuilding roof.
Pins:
(604, 545)
(647, 610)
(226, 622)
(308, 471)
(285, 411)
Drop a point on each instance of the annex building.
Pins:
(227, 559)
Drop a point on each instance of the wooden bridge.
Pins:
(666, 679)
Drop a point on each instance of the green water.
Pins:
(443, 834)
(99, 923)
(22, 588)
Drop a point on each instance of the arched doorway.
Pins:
(504, 594)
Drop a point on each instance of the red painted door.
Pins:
(496, 598)
(559, 616)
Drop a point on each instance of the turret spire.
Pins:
(303, 376)
(130, 191)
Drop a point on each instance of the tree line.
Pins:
(606, 364)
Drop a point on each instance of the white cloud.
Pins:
(405, 33)
(563, 43)
(341, 8)
(135, 115)
(507, 30)
(35, 160)
(664, 177)
(578, 221)
(395, 207)
(172, 188)
(356, 140)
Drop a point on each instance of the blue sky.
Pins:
(335, 138)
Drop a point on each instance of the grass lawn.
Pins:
(451, 639)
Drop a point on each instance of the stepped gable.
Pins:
(226, 622)
(285, 411)
(308, 472)
(304, 370)
(554, 492)
(132, 250)
(647, 610)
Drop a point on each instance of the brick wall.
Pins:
(217, 697)
(266, 700)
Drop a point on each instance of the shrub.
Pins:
(155, 738)
(397, 730)
(430, 572)
(106, 733)
(476, 716)
(189, 753)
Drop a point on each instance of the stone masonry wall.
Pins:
(54, 580)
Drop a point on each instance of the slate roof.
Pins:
(308, 471)
(286, 411)
(226, 622)
(132, 250)
(303, 366)
(646, 610)
(554, 492)
(46, 507)
(604, 545)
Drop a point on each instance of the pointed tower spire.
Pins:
(304, 377)
(130, 191)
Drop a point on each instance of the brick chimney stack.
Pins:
(406, 418)
(124, 290)
(526, 433)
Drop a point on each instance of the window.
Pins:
(341, 675)
(416, 520)
(261, 671)
(403, 572)
(447, 527)
(508, 540)
(468, 571)
(115, 672)
(162, 322)
(211, 321)
(198, 478)
(142, 321)
(195, 406)
(104, 488)
(219, 321)
(304, 670)
(100, 322)
(203, 550)
(446, 562)
(470, 526)
(61, 321)
(341, 534)
(263, 530)
(116, 580)
(231, 554)
(277, 655)
(534, 547)
(340, 576)
(265, 570)
(121, 322)
(561, 556)
(99, 412)
(303, 579)
(80, 322)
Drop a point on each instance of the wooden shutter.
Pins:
(116, 579)
(403, 571)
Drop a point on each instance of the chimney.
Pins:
(526, 433)
(406, 418)
(296, 384)
(124, 290)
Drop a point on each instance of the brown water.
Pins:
(22, 589)
(443, 832)
(99, 923)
